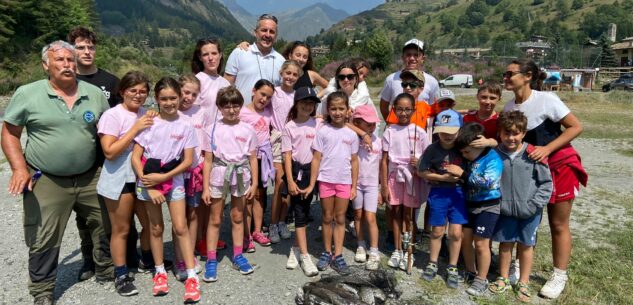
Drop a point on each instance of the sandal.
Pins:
(500, 285)
(523, 292)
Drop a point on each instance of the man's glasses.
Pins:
(84, 48)
(342, 77)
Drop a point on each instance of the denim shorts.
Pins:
(447, 202)
(177, 193)
(512, 229)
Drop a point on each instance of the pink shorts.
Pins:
(334, 189)
(399, 196)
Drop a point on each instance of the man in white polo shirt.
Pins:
(412, 59)
(260, 61)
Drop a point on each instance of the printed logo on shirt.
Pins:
(197, 126)
(89, 116)
(261, 125)
(105, 92)
(177, 137)
(348, 142)
(240, 139)
(310, 136)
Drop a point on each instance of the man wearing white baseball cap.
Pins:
(412, 59)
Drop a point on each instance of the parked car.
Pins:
(624, 82)
(460, 80)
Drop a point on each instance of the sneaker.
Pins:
(478, 287)
(283, 230)
(351, 227)
(249, 246)
(452, 277)
(43, 300)
(361, 255)
(324, 261)
(292, 262)
(87, 271)
(373, 262)
(429, 272)
(180, 272)
(160, 285)
(394, 260)
(555, 285)
(192, 291)
(241, 263)
(273, 234)
(309, 269)
(515, 272)
(261, 239)
(404, 262)
(124, 286)
(339, 265)
(389, 244)
(210, 271)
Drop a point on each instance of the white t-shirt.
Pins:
(200, 120)
(336, 145)
(360, 96)
(281, 102)
(539, 107)
(233, 143)
(209, 87)
(250, 66)
(298, 138)
(392, 88)
(369, 163)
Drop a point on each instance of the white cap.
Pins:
(415, 41)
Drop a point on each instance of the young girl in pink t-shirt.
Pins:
(402, 146)
(230, 169)
(258, 115)
(296, 144)
(281, 102)
(161, 155)
(335, 166)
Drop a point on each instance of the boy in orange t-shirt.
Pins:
(413, 83)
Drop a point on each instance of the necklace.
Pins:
(272, 71)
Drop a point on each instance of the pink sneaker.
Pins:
(261, 239)
(249, 246)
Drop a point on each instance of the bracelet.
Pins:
(366, 134)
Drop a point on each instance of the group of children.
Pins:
(192, 160)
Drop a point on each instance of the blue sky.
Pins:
(352, 7)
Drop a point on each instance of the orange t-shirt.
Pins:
(422, 112)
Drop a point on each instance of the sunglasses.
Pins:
(342, 77)
(412, 85)
(510, 74)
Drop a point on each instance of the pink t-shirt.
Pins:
(369, 163)
(209, 87)
(234, 143)
(260, 122)
(200, 120)
(337, 145)
(281, 103)
(117, 121)
(298, 138)
(402, 141)
(166, 140)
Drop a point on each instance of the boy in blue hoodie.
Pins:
(527, 187)
(481, 178)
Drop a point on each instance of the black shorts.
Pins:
(301, 208)
(482, 224)
(128, 188)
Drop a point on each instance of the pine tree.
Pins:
(607, 56)
(380, 48)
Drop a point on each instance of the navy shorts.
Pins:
(511, 229)
(447, 202)
(482, 224)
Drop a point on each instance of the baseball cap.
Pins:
(416, 42)
(417, 74)
(447, 121)
(303, 93)
(367, 113)
(445, 94)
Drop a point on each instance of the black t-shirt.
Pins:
(304, 81)
(107, 82)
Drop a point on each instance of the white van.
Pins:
(461, 80)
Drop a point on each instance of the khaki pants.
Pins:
(46, 212)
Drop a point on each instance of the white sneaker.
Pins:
(373, 262)
(361, 255)
(515, 272)
(309, 269)
(292, 262)
(352, 228)
(555, 285)
(273, 234)
(394, 260)
(283, 230)
(404, 262)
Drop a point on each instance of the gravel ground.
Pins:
(272, 283)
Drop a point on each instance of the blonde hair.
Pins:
(189, 78)
(289, 63)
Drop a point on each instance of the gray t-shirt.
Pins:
(435, 158)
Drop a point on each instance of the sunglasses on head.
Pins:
(344, 76)
(412, 85)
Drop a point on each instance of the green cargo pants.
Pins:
(46, 212)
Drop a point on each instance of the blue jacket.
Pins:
(482, 177)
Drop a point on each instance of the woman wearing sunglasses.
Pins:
(347, 80)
